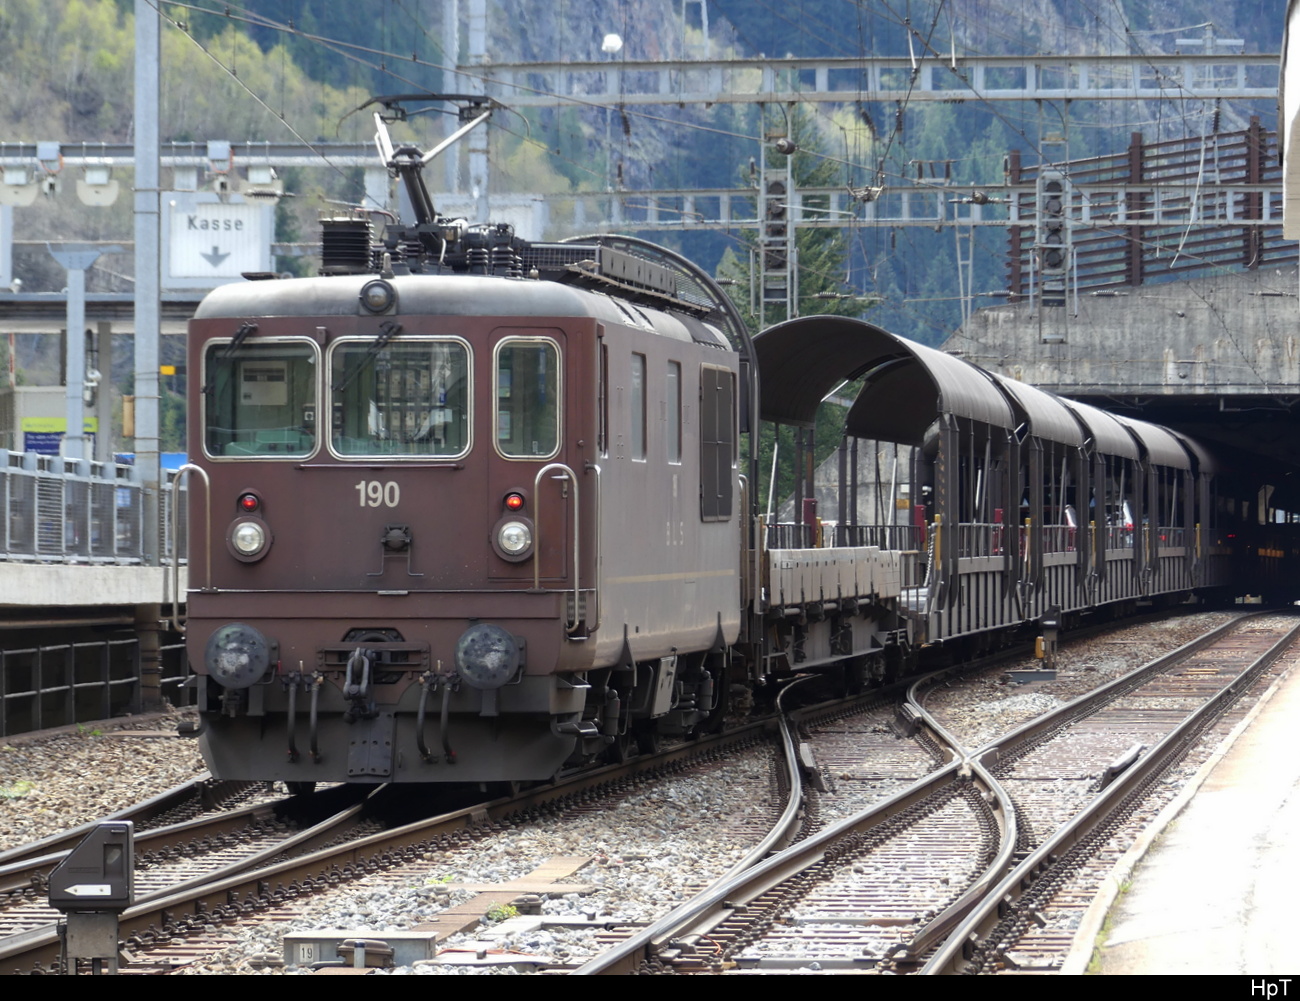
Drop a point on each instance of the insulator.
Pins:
(480, 260)
(412, 252)
(506, 262)
(345, 246)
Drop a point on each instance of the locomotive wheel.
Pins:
(623, 750)
(647, 737)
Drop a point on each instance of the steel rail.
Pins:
(990, 752)
(39, 938)
(29, 870)
(975, 930)
(201, 787)
(1004, 812)
(628, 956)
(738, 887)
(987, 755)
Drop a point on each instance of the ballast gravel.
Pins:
(55, 780)
(649, 851)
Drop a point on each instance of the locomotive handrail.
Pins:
(537, 542)
(184, 470)
(595, 504)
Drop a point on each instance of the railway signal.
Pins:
(1053, 235)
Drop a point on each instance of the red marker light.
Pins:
(248, 503)
(514, 501)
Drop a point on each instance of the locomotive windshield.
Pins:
(409, 398)
(260, 399)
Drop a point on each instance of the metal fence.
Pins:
(174, 675)
(59, 510)
(1175, 208)
(796, 535)
(77, 511)
(66, 683)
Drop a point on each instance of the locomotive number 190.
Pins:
(372, 493)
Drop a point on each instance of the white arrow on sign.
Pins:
(89, 890)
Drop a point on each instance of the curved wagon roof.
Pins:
(907, 385)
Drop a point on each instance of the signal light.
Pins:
(249, 503)
(775, 227)
(514, 501)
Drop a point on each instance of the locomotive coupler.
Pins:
(356, 686)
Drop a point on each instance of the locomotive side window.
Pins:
(673, 406)
(410, 398)
(717, 441)
(527, 398)
(638, 407)
(260, 399)
(602, 402)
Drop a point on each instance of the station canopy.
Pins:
(906, 385)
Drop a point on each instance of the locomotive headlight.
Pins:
(237, 655)
(515, 537)
(377, 296)
(249, 539)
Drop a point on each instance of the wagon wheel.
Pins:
(717, 717)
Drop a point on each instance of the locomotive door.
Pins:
(528, 431)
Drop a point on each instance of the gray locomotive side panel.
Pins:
(670, 579)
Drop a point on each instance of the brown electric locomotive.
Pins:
(473, 505)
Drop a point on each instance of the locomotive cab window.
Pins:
(410, 398)
(527, 391)
(259, 399)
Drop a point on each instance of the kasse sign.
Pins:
(213, 242)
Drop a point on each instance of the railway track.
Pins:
(835, 899)
(1013, 928)
(161, 932)
(861, 895)
(171, 860)
(202, 794)
(876, 890)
